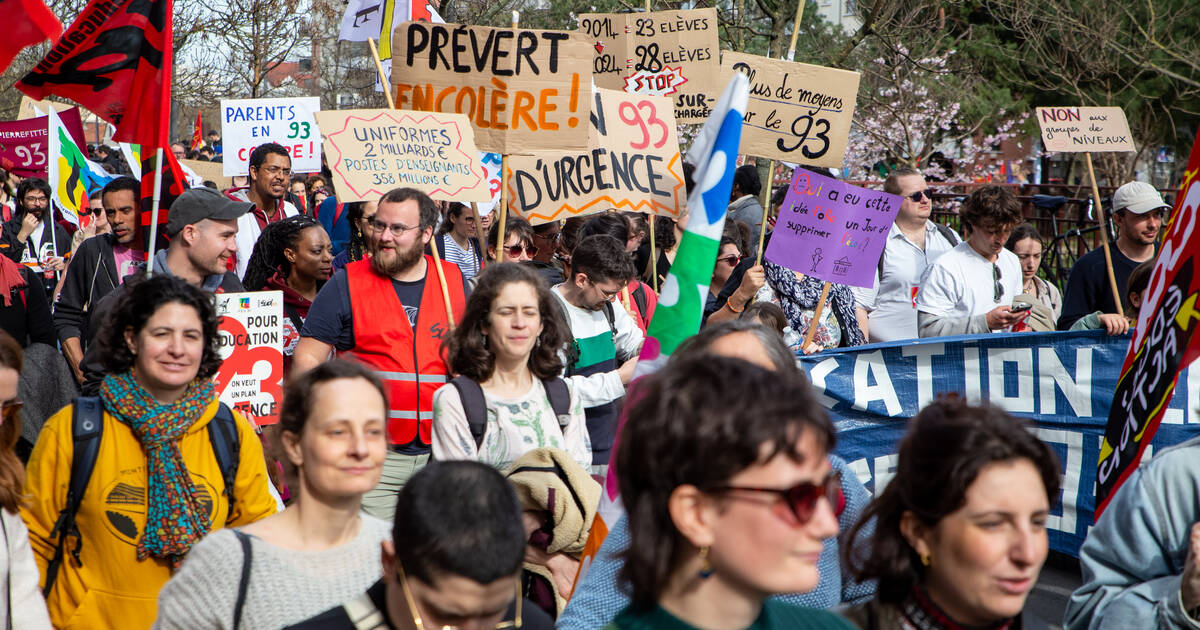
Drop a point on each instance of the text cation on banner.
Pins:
(1082, 129)
(372, 151)
(247, 123)
(632, 163)
(832, 230)
(250, 343)
(797, 112)
(523, 89)
(663, 53)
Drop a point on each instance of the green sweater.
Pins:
(775, 615)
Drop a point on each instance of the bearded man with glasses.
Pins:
(970, 289)
(387, 311)
(913, 243)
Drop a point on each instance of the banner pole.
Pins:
(158, 164)
(437, 259)
(816, 318)
(1112, 278)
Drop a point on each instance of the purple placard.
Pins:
(831, 230)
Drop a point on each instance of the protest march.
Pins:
(391, 315)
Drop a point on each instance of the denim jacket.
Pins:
(1133, 557)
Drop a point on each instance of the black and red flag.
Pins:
(1165, 340)
(29, 22)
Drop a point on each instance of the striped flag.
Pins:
(71, 175)
(681, 304)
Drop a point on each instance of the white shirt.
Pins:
(961, 283)
(248, 230)
(892, 301)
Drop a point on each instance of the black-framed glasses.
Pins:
(397, 229)
(802, 498)
(416, 614)
(920, 195)
(997, 288)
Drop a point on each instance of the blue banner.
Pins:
(1063, 381)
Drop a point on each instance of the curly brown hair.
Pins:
(992, 207)
(12, 473)
(466, 350)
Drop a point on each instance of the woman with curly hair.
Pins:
(507, 345)
(359, 214)
(156, 485)
(293, 256)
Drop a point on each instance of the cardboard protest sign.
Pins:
(832, 230)
(249, 122)
(33, 108)
(209, 171)
(1081, 129)
(663, 53)
(250, 342)
(633, 163)
(492, 163)
(797, 112)
(372, 151)
(523, 89)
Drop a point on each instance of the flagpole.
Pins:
(158, 165)
(437, 258)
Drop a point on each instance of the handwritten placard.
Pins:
(663, 53)
(831, 230)
(492, 163)
(247, 123)
(797, 112)
(633, 164)
(1081, 129)
(372, 151)
(250, 344)
(522, 89)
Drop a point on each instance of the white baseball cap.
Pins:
(1138, 198)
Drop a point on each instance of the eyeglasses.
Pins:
(397, 229)
(416, 614)
(98, 211)
(516, 250)
(997, 288)
(608, 295)
(731, 260)
(802, 498)
(38, 199)
(549, 238)
(10, 409)
(275, 170)
(921, 194)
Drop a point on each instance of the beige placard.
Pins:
(633, 164)
(371, 151)
(797, 113)
(31, 108)
(209, 171)
(663, 53)
(524, 90)
(1083, 129)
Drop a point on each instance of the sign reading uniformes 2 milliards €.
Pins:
(371, 151)
(633, 163)
(663, 53)
(1082, 129)
(247, 123)
(524, 90)
(250, 343)
(832, 230)
(797, 112)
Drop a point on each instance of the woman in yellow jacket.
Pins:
(156, 487)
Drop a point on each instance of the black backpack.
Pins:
(87, 427)
(946, 233)
(475, 407)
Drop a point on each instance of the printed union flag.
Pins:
(1164, 342)
(112, 61)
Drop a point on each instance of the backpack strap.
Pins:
(559, 397)
(947, 234)
(611, 316)
(87, 427)
(226, 445)
(244, 580)
(474, 406)
(639, 298)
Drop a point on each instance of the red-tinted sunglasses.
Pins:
(516, 250)
(731, 259)
(802, 498)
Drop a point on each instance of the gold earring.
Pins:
(706, 569)
(926, 560)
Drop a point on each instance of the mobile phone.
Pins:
(1020, 307)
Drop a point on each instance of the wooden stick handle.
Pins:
(766, 206)
(816, 318)
(383, 79)
(441, 275)
(1112, 278)
(796, 29)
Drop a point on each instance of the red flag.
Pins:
(197, 134)
(1165, 340)
(173, 184)
(30, 22)
(114, 60)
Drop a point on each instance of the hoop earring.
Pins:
(706, 569)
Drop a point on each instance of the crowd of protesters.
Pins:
(456, 397)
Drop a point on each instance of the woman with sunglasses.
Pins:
(23, 605)
(508, 398)
(729, 499)
(319, 552)
(960, 530)
(518, 241)
(728, 257)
